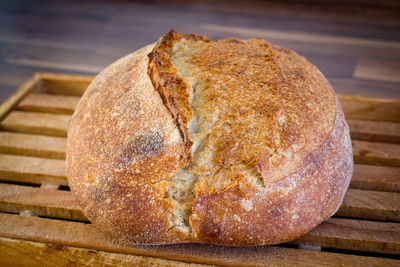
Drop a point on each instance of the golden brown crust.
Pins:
(283, 210)
(281, 151)
(121, 143)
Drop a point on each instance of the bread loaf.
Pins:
(235, 142)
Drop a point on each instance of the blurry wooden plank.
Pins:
(36, 123)
(376, 153)
(32, 145)
(64, 84)
(379, 178)
(43, 202)
(25, 253)
(33, 170)
(343, 67)
(87, 236)
(355, 235)
(43, 63)
(387, 70)
(302, 36)
(366, 108)
(375, 131)
(371, 205)
(366, 88)
(49, 103)
(15, 98)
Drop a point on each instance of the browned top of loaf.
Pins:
(273, 106)
(278, 139)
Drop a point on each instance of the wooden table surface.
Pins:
(355, 43)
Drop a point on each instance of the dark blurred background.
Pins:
(356, 44)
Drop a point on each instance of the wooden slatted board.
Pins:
(40, 222)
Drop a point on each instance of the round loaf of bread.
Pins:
(235, 142)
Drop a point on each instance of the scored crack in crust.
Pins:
(236, 142)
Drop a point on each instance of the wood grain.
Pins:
(375, 131)
(370, 205)
(15, 252)
(32, 170)
(17, 96)
(387, 70)
(355, 235)
(43, 202)
(376, 153)
(87, 236)
(49, 103)
(379, 178)
(64, 84)
(33, 145)
(36, 123)
(365, 108)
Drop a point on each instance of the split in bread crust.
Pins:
(189, 140)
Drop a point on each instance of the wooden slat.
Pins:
(15, 252)
(371, 205)
(43, 202)
(36, 123)
(33, 170)
(375, 131)
(355, 235)
(366, 108)
(379, 178)
(376, 153)
(87, 236)
(49, 103)
(15, 98)
(32, 145)
(63, 84)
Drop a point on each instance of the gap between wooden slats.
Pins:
(61, 204)
(87, 236)
(15, 252)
